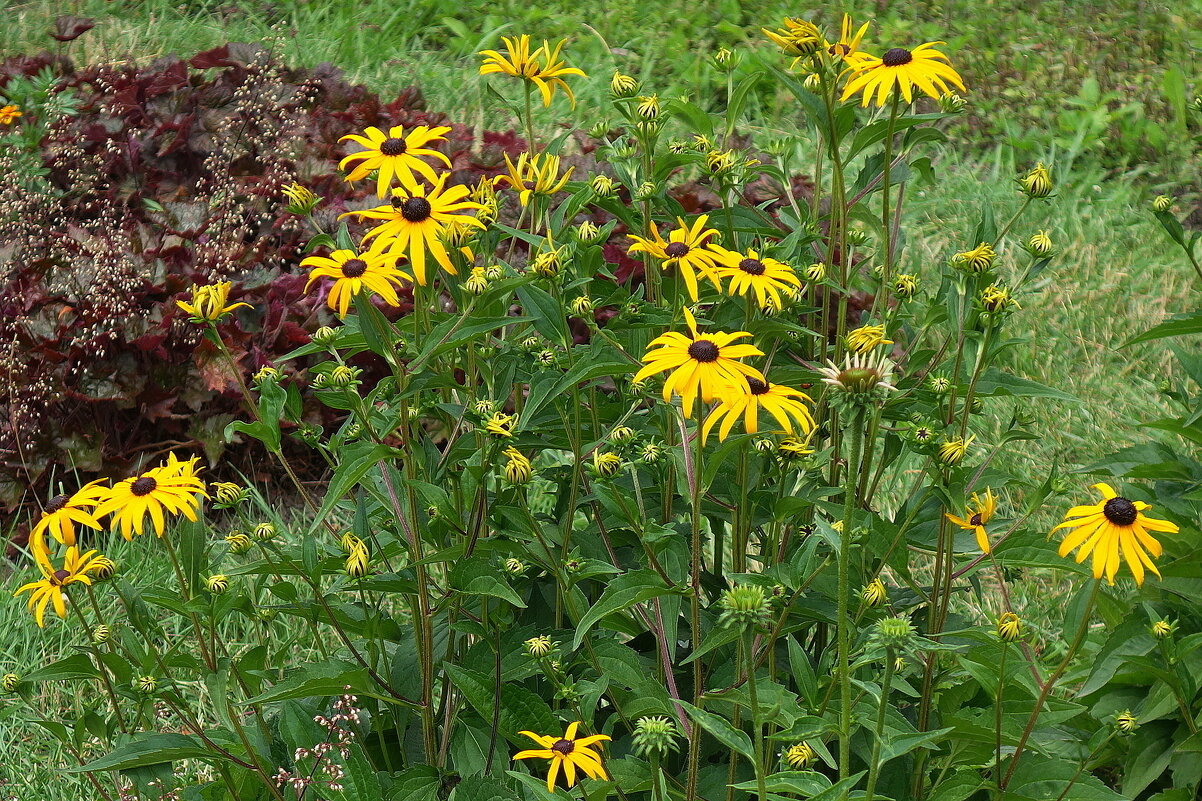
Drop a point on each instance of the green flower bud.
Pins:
(10, 682)
(744, 606)
(324, 336)
(264, 531)
(146, 684)
(238, 542)
(266, 374)
(894, 632)
(100, 635)
(655, 736)
(217, 583)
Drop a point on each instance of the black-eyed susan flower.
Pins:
(685, 247)
(395, 154)
(569, 753)
(540, 67)
(172, 488)
(374, 270)
(765, 276)
(357, 560)
(905, 285)
(744, 400)
(849, 39)
(210, 303)
(1038, 182)
(415, 219)
(979, 512)
(793, 448)
(977, 260)
(901, 70)
(866, 338)
(1114, 530)
(551, 73)
(603, 185)
(1009, 627)
(860, 373)
(799, 756)
(9, 114)
(50, 589)
(700, 364)
(63, 512)
(534, 175)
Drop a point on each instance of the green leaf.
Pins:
(419, 783)
(350, 472)
(360, 782)
(548, 315)
(477, 576)
(805, 783)
(720, 728)
(622, 593)
(149, 749)
(76, 666)
(995, 382)
(317, 679)
(1175, 326)
(520, 709)
(905, 743)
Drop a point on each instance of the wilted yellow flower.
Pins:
(1009, 627)
(874, 593)
(210, 303)
(539, 646)
(953, 451)
(518, 469)
(301, 200)
(1038, 182)
(500, 425)
(534, 175)
(623, 85)
(867, 337)
(978, 260)
(799, 756)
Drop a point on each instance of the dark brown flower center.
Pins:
(392, 147)
(676, 250)
(704, 351)
(896, 57)
(1120, 511)
(57, 503)
(839, 49)
(143, 486)
(752, 266)
(564, 747)
(416, 209)
(60, 576)
(757, 386)
(976, 520)
(353, 268)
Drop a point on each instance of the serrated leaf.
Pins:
(721, 729)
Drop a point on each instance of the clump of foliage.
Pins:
(702, 528)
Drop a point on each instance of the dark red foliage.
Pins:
(102, 378)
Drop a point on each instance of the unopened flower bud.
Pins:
(621, 434)
(1162, 629)
(582, 307)
(146, 684)
(1126, 722)
(894, 632)
(238, 542)
(655, 736)
(515, 567)
(1038, 182)
(324, 336)
(266, 374)
(816, 272)
(264, 531)
(623, 85)
(1040, 244)
(603, 185)
(799, 756)
(606, 464)
(744, 606)
(874, 593)
(539, 646)
(1162, 204)
(217, 583)
(343, 376)
(227, 493)
(1009, 627)
(100, 635)
(10, 682)
(951, 103)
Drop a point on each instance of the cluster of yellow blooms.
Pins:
(173, 488)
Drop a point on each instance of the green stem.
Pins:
(745, 653)
(997, 714)
(1051, 682)
(695, 598)
(844, 633)
(874, 764)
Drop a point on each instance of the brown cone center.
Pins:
(704, 351)
(393, 147)
(353, 268)
(143, 486)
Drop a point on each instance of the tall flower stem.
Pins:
(746, 649)
(695, 596)
(886, 192)
(844, 619)
(1078, 638)
(874, 764)
(997, 714)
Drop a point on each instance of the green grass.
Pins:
(1116, 273)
